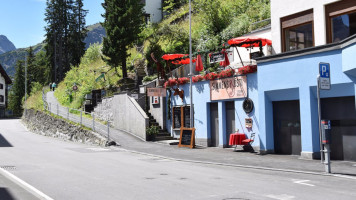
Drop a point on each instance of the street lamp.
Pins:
(190, 65)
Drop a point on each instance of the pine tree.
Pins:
(31, 69)
(18, 89)
(65, 35)
(123, 23)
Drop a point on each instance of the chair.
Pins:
(249, 141)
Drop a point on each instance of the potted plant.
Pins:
(151, 132)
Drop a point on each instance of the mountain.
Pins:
(8, 60)
(6, 45)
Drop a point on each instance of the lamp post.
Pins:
(190, 65)
(25, 85)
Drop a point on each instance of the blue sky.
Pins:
(22, 21)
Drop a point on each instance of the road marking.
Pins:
(280, 197)
(25, 185)
(303, 182)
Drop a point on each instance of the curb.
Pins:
(240, 166)
(25, 185)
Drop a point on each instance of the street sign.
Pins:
(217, 57)
(324, 72)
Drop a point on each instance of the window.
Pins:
(1, 86)
(1, 99)
(341, 20)
(297, 31)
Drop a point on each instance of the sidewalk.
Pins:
(227, 156)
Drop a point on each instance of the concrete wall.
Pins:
(129, 116)
(201, 101)
(292, 76)
(154, 8)
(158, 111)
(282, 8)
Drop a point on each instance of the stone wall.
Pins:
(44, 124)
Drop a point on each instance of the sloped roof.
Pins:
(4, 74)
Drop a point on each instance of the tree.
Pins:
(65, 34)
(123, 22)
(31, 68)
(42, 73)
(18, 89)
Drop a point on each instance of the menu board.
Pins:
(186, 116)
(177, 117)
(187, 137)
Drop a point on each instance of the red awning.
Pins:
(173, 56)
(249, 41)
(183, 61)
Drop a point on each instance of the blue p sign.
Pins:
(324, 70)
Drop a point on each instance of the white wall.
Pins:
(245, 54)
(154, 8)
(282, 8)
(2, 91)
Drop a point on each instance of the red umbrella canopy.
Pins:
(249, 41)
(183, 61)
(173, 56)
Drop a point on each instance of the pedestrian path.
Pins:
(226, 156)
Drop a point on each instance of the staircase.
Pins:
(162, 135)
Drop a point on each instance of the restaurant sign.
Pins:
(156, 92)
(228, 88)
(217, 57)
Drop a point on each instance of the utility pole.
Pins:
(25, 84)
(190, 65)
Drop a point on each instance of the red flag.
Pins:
(226, 62)
(199, 64)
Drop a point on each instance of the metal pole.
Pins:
(191, 66)
(319, 119)
(57, 110)
(81, 117)
(108, 131)
(25, 85)
(327, 158)
(93, 121)
(68, 113)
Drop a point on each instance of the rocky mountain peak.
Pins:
(6, 45)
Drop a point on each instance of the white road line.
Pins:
(280, 197)
(303, 182)
(25, 185)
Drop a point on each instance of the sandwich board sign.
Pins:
(324, 72)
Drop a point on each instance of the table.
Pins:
(236, 139)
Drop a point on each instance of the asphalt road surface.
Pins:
(70, 171)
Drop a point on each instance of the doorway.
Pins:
(230, 118)
(286, 125)
(214, 124)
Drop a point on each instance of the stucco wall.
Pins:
(201, 100)
(158, 111)
(294, 78)
(129, 116)
(282, 8)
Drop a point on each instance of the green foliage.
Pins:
(84, 76)
(170, 5)
(35, 100)
(149, 78)
(123, 24)
(152, 130)
(42, 73)
(17, 92)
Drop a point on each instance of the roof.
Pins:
(4, 74)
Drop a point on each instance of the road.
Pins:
(70, 171)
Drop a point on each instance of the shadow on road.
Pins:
(4, 143)
(5, 194)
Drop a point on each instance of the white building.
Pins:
(4, 81)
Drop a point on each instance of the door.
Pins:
(286, 125)
(230, 118)
(341, 112)
(214, 124)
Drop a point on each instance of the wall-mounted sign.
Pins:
(248, 123)
(159, 92)
(228, 88)
(217, 57)
(324, 72)
(155, 100)
(177, 117)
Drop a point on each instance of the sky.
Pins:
(22, 21)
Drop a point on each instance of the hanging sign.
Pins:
(217, 57)
(156, 92)
(228, 88)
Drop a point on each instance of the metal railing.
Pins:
(79, 117)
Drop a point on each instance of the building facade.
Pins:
(4, 82)
(304, 35)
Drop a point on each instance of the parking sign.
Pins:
(324, 72)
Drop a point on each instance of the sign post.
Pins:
(323, 83)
